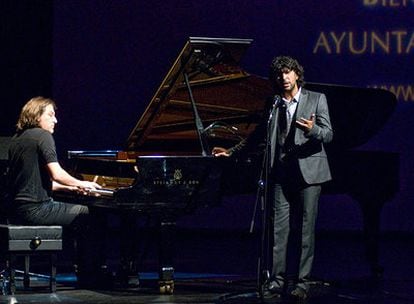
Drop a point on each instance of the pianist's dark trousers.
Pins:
(86, 225)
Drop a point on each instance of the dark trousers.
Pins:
(294, 213)
(86, 224)
(49, 213)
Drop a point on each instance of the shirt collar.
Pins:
(295, 98)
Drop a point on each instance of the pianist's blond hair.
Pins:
(31, 112)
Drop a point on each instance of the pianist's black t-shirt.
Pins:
(29, 152)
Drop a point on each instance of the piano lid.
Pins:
(222, 91)
(231, 102)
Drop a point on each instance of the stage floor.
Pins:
(220, 268)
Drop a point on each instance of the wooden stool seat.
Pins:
(28, 241)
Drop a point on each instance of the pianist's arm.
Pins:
(62, 180)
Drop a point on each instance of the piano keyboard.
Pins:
(101, 192)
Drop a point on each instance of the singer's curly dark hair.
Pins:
(285, 62)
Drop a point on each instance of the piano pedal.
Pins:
(166, 281)
(166, 287)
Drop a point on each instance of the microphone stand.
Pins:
(263, 274)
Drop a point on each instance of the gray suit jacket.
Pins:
(308, 147)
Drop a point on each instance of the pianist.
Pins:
(298, 125)
(34, 172)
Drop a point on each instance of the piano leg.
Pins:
(129, 251)
(371, 212)
(167, 236)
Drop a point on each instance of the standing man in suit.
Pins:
(298, 127)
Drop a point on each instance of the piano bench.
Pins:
(28, 241)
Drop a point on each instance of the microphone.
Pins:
(277, 101)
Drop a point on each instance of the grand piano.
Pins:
(207, 99)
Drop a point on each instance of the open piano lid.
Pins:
(222, 91)
(231, 102)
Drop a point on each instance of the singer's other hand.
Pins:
(219, 151)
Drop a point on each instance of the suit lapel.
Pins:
(301, 111)
(303, 98)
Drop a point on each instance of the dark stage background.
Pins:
(102, 61)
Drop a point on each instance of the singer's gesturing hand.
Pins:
(306, 124)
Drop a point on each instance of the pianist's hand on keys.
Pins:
(88, 188)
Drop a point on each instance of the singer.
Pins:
(298, 126)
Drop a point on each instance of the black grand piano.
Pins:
(208, 99)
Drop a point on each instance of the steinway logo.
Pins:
(178, 175)
(178, 179)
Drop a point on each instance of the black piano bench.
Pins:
(28, 241)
